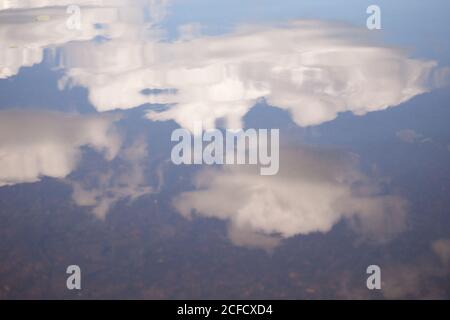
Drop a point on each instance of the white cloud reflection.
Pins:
(25, 33)
(314, 190)
(41, 143)
(101, 190)
(314, 70)
(27, 28)
(36, 144)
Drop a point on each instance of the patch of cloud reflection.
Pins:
(27, 28)
(312, 69)
(314, 190)
(36, 144)
(125, 179)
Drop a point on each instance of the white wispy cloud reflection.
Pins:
(101, 189)
(28, 28)
(314, 190)
(40, 143)
(50, 144)
(314, 70)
